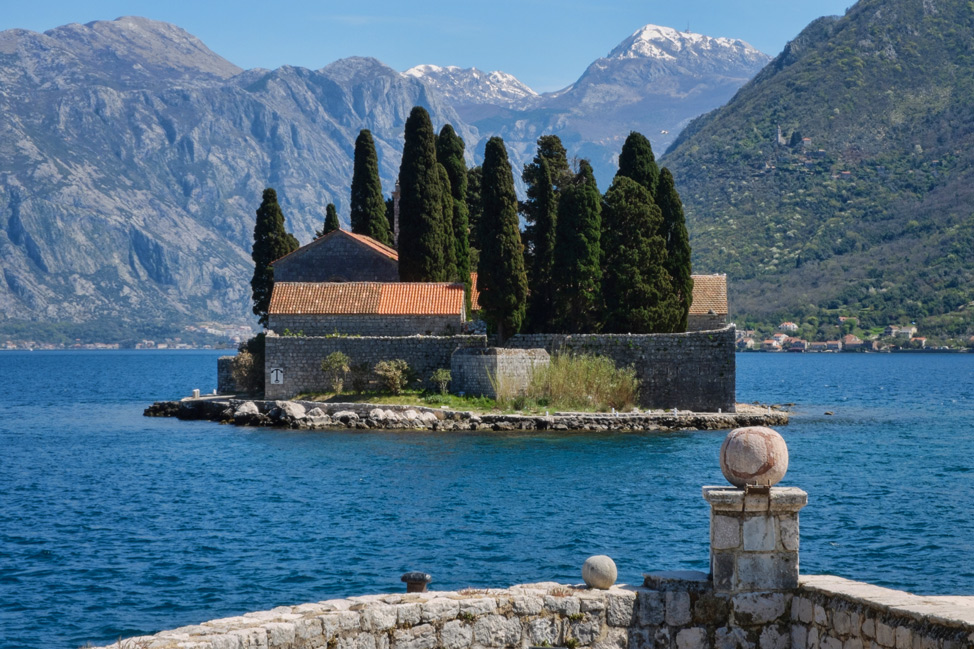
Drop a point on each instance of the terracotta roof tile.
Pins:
(359, 298)
(709, 294)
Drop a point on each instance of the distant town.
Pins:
(893, 338)
(201, 336)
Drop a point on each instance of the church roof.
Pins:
(369, 242)
(366, 298)
(709, 294)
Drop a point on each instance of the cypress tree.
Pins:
(449, 153)
(636, 161)
(501, 279)
(331, 221)
(541, 301)
(271, 242)
(445, 227)
(421, 235)
(368, 209)
(578, 274)
(636, 285)
(677, 240)
(475, 205)
(539, 210)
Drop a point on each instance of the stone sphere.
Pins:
(599, 572)
(754, 455)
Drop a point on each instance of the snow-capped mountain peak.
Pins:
(472, 86)
(668, 44)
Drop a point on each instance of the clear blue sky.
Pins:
(545, 43)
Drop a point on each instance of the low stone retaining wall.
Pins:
(314, 415)
(690, 371)
(835, 613)
(485, 372)
(297, 359)
(671, 611)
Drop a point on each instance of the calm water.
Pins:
(114, 524)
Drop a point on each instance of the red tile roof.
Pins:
(474, 293)
(361, 298)
(709, 294)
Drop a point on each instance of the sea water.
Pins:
(113, 524)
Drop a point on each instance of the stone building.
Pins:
(366, 308)
(709, 307)
(339, 256)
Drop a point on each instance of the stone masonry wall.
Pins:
(339, 259)
(483, 371)
(835, 613)
(691, 371)
(706, 322)
(299, 357)
(366, 325)
(224, 375)
(671, 611)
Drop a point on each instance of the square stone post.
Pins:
(754, 537)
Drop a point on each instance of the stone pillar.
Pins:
(754, 537)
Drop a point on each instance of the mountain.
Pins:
(841, 178)
(653, 82)
(469, 87)
(132, 157)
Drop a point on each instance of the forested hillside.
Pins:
(840, 178)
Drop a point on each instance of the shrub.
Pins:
(361, 377)
(394, 374)
(584, 381)
(243, 369)
(336, 367)
(441, 378)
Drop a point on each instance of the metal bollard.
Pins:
(416, 582)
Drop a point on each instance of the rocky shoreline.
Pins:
(313, 415)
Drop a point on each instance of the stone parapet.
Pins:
(754, 537)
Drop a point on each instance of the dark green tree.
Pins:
(544, 206)
(636, 286)
(331, 221)
(578, 275)
(475, 205)
(391, 218)
(271, 242)
(501, 279)
(674, 232)
(445, 225)
(636, 161)
(449, 153)
(539, 210)
(368, 208)
(422, 238)
(578, 272)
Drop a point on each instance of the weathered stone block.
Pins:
(586, 632)
(695, 638)
(562, 605)
(542, 631)
(853, 643)
(758, 534)
(829, 642)
(480, 606)
(620, 607)
(527, 605)
(613, 639)
(678, 608)
(409, 614)
(885, 634)
(497, 631)
(773, 637)
(799, 636)
(724, 567)
(821, 618)
(456, 635)
(379, 617)
(731, 638)
(649, 607)
(904, 637)
(710, 609)
(418, 637)
(440, 609)
(726, 532)
(788, 531)
(758, 608)
(869, 628)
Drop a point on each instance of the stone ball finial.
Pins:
(754, 455)
(599, 572)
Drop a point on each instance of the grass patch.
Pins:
(582, 383)
(406, 398)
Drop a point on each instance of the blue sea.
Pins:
(113, 524)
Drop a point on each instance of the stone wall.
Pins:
(690, 371)
(835, 613)
(299, 357)
(366, 324)
(224, 375)
(707, 322)
(340, 258)
(487, 371)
